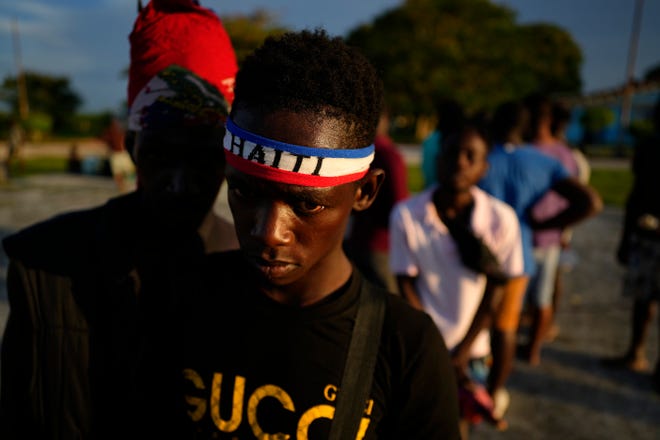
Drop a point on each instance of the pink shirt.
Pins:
(552, 203)
(421, 246)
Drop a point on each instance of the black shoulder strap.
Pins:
(358, 371)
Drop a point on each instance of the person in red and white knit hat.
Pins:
(184, 33)
(80, 325)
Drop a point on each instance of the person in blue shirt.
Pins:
(520, 175)
(450, 116)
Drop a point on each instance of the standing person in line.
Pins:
(520, 175)
(121, 165)
(269, 335)
(639, 250)
(367, 244)
(80, 323)
(450, 117)
(561, 116)
(15, 142)
(453, 246)
(547, 242)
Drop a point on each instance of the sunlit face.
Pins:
(291, 234)
(179, 173)
(463, 161)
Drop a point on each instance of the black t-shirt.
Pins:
(252, 366)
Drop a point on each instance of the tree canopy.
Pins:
(247, 32)
(469, 50)
(49, 96)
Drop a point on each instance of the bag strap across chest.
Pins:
(360, 363)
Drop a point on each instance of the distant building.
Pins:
(644, 96)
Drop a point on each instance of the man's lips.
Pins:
(272, 268)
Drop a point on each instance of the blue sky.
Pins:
(87, 40)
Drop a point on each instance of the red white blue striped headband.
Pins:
(293, 164)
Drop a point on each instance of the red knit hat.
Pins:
(184, 33)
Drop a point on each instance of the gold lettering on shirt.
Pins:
(199, 404)
(330, 393)
(309, 416)
(325, 412)
(370, 407)
(267, 391)
(199, 407)
(237, 403)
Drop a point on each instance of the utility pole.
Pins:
(626, 99)
(23, 105)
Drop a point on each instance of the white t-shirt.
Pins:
(421, 246)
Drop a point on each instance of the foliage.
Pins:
(641, 128)
(469, 50)
(247, 32)
(595, 119)
(88, 125)
(47, 95)
(37, 125)
(5, 123)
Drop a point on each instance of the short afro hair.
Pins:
(309, 71)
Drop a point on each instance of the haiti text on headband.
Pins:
(294, 164)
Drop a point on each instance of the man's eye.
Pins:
(241, 192)
(308, 208)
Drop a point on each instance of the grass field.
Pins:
(613, 185)
(39, 165)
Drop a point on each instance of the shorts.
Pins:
(642, 279)
(507, 316)
(542, 284)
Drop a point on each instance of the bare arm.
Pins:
(583, 202)
(408, 291)
(482, 319)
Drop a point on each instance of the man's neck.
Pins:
(451, 204)
(544, 136)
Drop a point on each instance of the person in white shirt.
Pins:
(453, 246)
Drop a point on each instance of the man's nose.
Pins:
(273, 223)
(462, 161)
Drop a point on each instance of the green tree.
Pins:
(49, 96)
(247, 32)
(593, 121)
(469, 50)
(552, 57)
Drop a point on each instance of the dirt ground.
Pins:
(569, 396)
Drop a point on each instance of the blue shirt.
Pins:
(430, 151)
(520, 176)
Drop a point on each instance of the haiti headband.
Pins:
(293, 164)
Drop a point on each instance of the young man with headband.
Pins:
(266, 348)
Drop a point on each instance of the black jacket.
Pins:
(70, 346)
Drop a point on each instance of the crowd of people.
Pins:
(334, 303)
(479, 248)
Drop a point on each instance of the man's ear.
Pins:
(368, 189)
